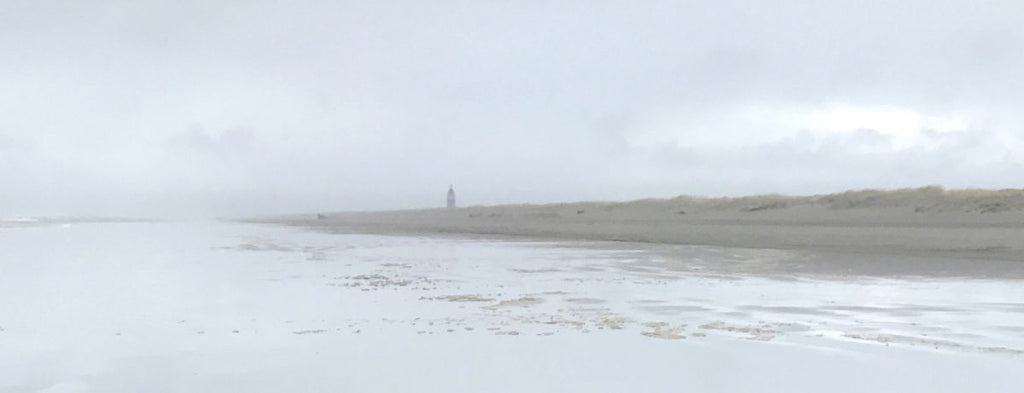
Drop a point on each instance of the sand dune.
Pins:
(923, 231)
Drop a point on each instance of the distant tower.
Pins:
(451, 197)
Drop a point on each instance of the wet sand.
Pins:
(914, 232)
(271, 308)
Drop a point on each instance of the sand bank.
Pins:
(926, 231)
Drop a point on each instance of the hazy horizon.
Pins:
(167, 109)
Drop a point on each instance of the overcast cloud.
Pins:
(256, 107)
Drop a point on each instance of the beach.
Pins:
(430, 305)
(912, 232)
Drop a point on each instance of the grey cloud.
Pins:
(815, 163)
(196, 138)
(354, 105)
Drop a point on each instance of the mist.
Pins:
(260, 107)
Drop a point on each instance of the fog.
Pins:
(157, 109)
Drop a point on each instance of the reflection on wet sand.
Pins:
(551, 289)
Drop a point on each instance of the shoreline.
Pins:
(925, 232)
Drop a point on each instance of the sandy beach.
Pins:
(910, 232)
(200, 306)
(913, 290)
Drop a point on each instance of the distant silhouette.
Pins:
(451, 197)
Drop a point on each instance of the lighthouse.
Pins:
(451, 197)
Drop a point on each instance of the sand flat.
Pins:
(415, 313)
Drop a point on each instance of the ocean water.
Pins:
(212, 306)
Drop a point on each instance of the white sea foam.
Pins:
(19, 219)
(18, 222)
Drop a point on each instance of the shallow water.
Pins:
(218, 306)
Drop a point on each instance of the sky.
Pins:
(237, 108)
